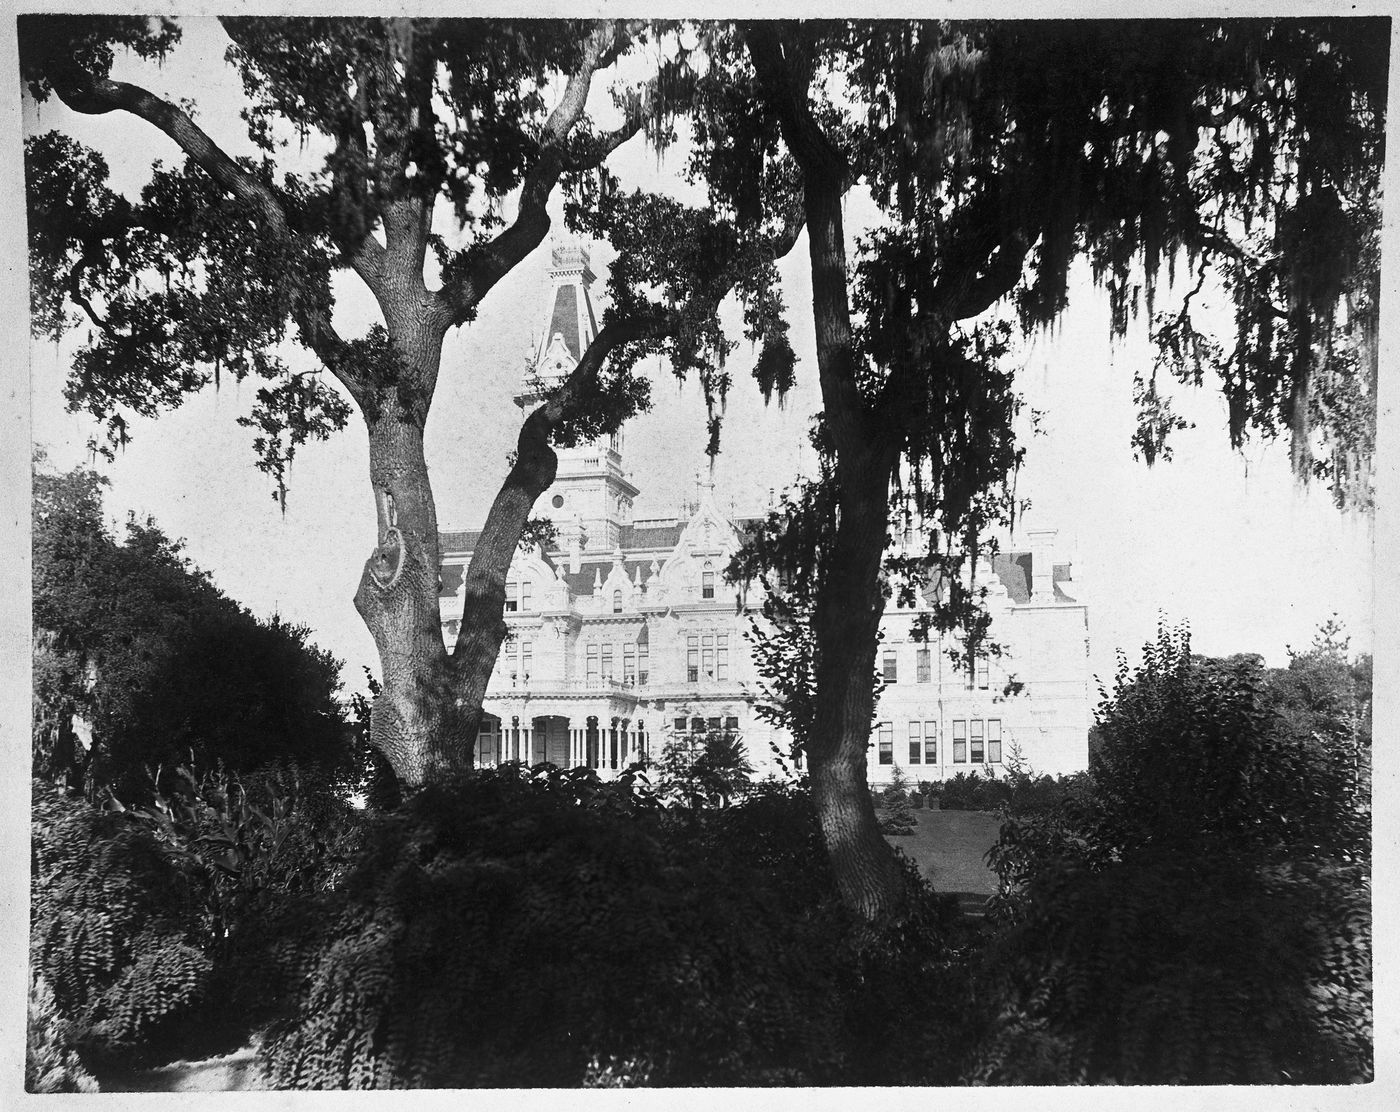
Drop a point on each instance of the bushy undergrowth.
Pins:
(1017, 791)
(1202, 915)
(116, 929)
(518, 929)
(133, 909)
(51, 1064)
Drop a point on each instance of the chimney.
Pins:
(1042, 564)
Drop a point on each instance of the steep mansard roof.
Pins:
(640, 545)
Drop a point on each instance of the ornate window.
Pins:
(707, 584)
(617, 602)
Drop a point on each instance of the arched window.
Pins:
(617, 602)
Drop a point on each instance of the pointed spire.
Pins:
(569, 325)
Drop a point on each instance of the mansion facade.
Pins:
(625, 634)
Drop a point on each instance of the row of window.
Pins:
(974, 741)
(729, 724)
(923, 668)
(599, 661)
(707, 655)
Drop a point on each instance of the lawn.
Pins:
(950, 847)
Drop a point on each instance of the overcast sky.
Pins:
(1223, 540)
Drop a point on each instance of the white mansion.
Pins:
(625, 632)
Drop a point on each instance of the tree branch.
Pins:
(459, 299)
(98, 96)
(826, 177)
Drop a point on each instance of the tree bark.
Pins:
(850, 600)
(846, 625)
(415, 721)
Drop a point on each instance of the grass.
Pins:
(950, 849)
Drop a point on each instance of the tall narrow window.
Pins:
(977, 753)
(994, 741)
(889, 665)
(527, 660)
(629, 663)
(525, 600)
(916, 742)
(707, 584)
(722, 656)
(983, 672)
(930, 743)
(591, 655)
(643, 654)
(512, 598)
(607, 660)
(617, 602)
(924, 665)
(959, 741)
(707, 656)
(692, 659)
(886, 738)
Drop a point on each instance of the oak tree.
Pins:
(1242, 153)
(222, 262)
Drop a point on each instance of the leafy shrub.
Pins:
(1201, 914)
(116, 929)
(898, 819)
(702, 769)
(134, 909)
(543, 928)
(51, 1065)
(1156, 970)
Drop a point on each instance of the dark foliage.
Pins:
(116, 930)
(137, 912)
(1016, 792)
(544, 928)
(1203, 914)
(139, 644)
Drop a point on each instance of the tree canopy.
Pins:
(157, 664)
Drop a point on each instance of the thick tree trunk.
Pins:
(846, 621)
(416, 721)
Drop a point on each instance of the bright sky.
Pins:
(1225, 541)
